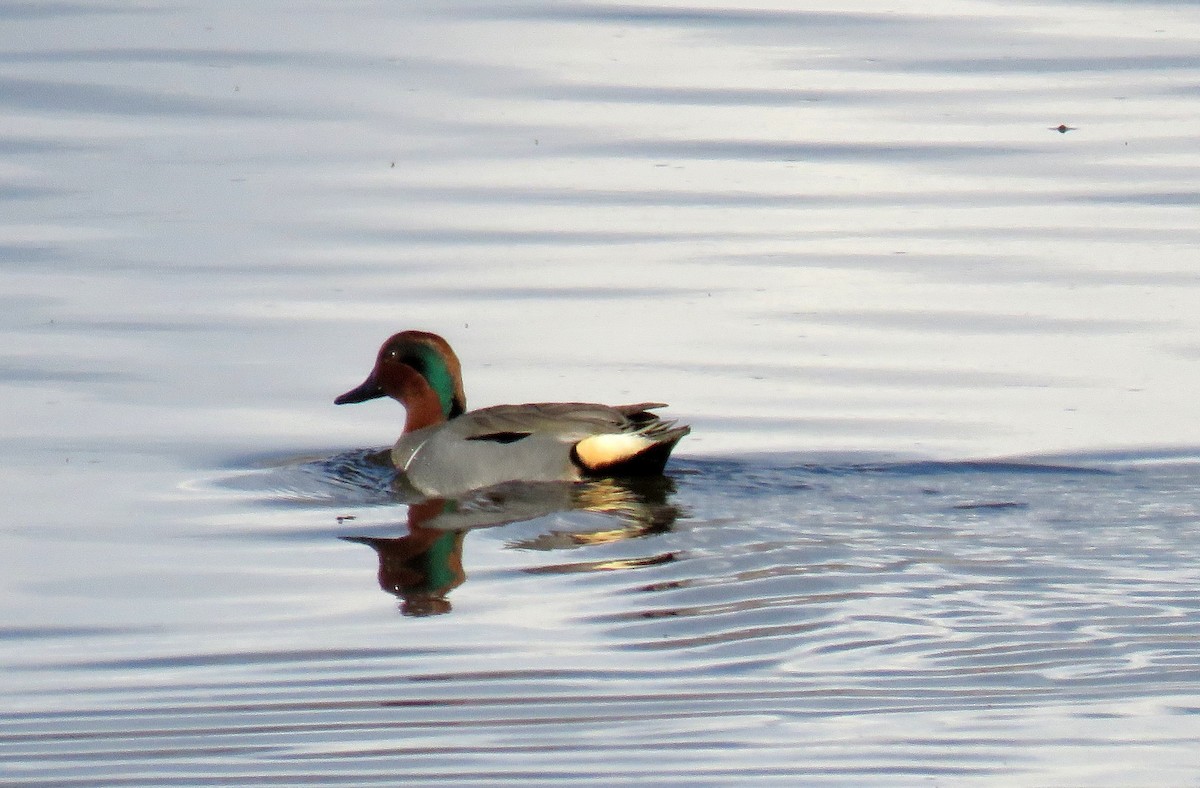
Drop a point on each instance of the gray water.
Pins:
(937, 519)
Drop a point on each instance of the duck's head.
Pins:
(421, 371)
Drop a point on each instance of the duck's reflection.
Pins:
(424, 565)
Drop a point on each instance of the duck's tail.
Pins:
(643, 451)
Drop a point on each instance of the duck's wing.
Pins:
(601, 439)
(566, 421)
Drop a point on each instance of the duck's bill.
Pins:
(368, 389)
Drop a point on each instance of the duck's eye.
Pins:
(396, 355)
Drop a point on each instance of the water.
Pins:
(937, 519)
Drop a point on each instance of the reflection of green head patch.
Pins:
(440, 575)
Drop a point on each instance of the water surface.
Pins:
(936, 520)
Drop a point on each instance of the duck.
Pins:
(446, 450)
